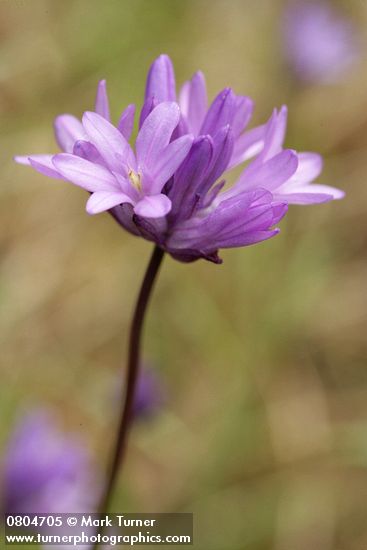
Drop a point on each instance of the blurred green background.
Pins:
(264, 434)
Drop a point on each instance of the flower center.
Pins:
(135, 180)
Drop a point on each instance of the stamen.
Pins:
(135, 180)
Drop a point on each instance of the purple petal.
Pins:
(126, 122)
(24, 160)
(180, 130)
(161, 80)
(102, 105)
(220, 113)
(88, 151)
(309, 168)
(111, 144)
(258, 218)
(104, 200)
(155, 134)
(41, 163)
(270, 175)
(222, 152)
(336, 193)
(213, 193)
(244, 107)
(275, 133)
(149, 105)
(248, 239)
(68, 129)
(279, 211)
(171, 158)
(123, 214)
(189, 177)
(152, 229)
(310, 194)
(247, 146)
(193, 102)
(85, 174)
(153, 206)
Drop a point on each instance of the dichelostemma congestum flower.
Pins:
(47, 471)
(170, 190)
(320, 43)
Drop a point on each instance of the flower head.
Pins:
(45, 471)
(170, 190)
(320, 43)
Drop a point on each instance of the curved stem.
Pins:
(131, 378)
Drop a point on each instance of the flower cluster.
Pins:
(170, 190)
(45, 471)
(320, 43)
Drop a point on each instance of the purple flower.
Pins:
(319, 42)
(45, 471)
(171, 190)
